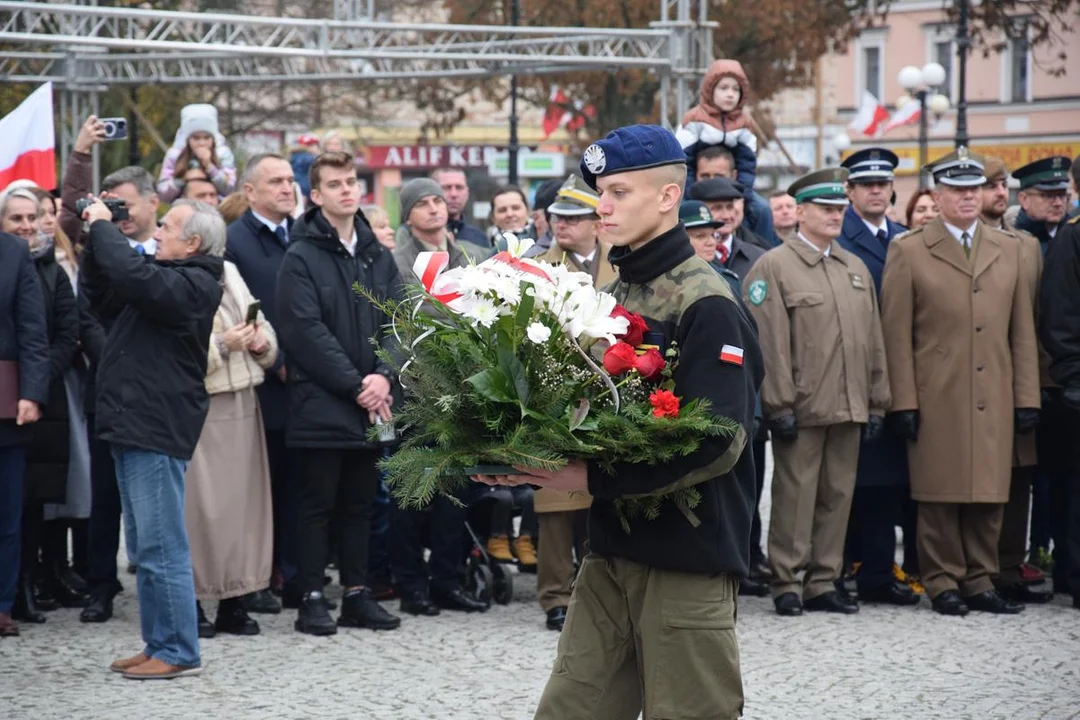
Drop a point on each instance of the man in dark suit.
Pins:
(728, 205)
(881, 486)
(24, 386)
(256, 245)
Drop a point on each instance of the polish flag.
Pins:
(731, 354)
(906, 114)
(870, 116)
(555, 114)
(27, 147)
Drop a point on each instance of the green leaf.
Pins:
(525, 310)
(578, 414)
(493, 385)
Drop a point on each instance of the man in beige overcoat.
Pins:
(960, 338)
(825, 378)
(562, 516)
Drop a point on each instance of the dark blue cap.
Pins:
(717, 188)
(636, 147)
(871, 165)
(1049, 174)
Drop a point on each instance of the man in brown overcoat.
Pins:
(562, 515)
(1011, 581)
(960, 339)
(825, 380)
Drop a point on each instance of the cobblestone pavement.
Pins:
(880, 663)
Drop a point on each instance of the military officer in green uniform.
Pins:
(651, 622)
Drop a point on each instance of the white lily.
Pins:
(517, 246)
(591, 315)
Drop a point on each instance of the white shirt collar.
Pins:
(825, 252)
(149, 247)
(1052, 231)
(351, 244)
(957, 232)
(271, 224)
(874, 228)
(585, 258)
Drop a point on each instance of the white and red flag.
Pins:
(561, 112)
(906, 114)
(870, 116)
(27, 142)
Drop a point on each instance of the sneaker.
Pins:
(1041, 558)
(125, 664)
(525, 551)
(360, 609)
(314, 617)
(498, 548)
(154, 669)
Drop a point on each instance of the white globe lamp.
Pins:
(910, 77)
(938, 104)
(933, 74)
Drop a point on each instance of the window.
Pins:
(872, 75)
(1017, 70)
(944, 52)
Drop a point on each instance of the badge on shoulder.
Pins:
(757, 291)
(857, 281)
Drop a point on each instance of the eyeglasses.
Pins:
(573, 219)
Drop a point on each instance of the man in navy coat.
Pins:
(881, 487)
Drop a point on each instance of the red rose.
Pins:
(619, 358)
(635, 332)
(664, 404)
(650, 364)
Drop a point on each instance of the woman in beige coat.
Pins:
(228, 509)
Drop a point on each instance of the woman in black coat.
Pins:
(47, 453)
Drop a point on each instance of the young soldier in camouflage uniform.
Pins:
(652, 618)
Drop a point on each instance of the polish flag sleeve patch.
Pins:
(731, 354)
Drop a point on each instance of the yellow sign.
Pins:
(1014, 156)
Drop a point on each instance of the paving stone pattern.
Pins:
(880, 663)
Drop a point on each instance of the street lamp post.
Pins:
(963, 44)
(920, 83)
(512, 147)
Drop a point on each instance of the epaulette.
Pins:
(1074, 220)
(909, 233)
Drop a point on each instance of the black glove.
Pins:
(1070, 398)
(1027, 419)
(783, 427)
(873, 427)
(906, 424)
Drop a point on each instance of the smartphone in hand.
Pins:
(253, 312)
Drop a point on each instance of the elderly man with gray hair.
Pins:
(160, 316)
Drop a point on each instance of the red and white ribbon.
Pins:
(429, 267)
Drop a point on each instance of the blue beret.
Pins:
(636, 147)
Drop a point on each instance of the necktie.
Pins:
(281, 235)
(587, 264)
(966, 240)
(882, 236)
(140, 249)
(722, 251)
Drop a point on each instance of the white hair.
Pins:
(22, 192)
(207, 223)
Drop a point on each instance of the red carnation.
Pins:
(635, 332)
(619, 358)
(664, 404)
(650, 364)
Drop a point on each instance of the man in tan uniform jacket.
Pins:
(1012, 545)
(563, 516)
(825, 377)
(960, 339)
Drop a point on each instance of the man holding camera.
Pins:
(160, 315)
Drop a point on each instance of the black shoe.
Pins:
(788, 605)
(991, 602)
(66, 594)
(845, 596)
(753, 588)
(831, 602)
(417, 603)
(100, 608)
(44, 599)
(1023, 594)
(759, 569)
(232, 619)
(950, 603)
(458, 599)
(360, 609)
(261, 602)
(314, 617)
(25, 607)
(556, 618)
(893, 592)
(292, 598)
(206, 628)
(74, 580)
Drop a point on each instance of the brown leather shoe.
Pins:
(8, 628)
(154, 669)
(125, 664)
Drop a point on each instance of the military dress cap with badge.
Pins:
(636, 147)
(695, 214)
(821, 187)
(961, 168)
(574, 198)
(717, 188)
(872, 165)
(1048, 175)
